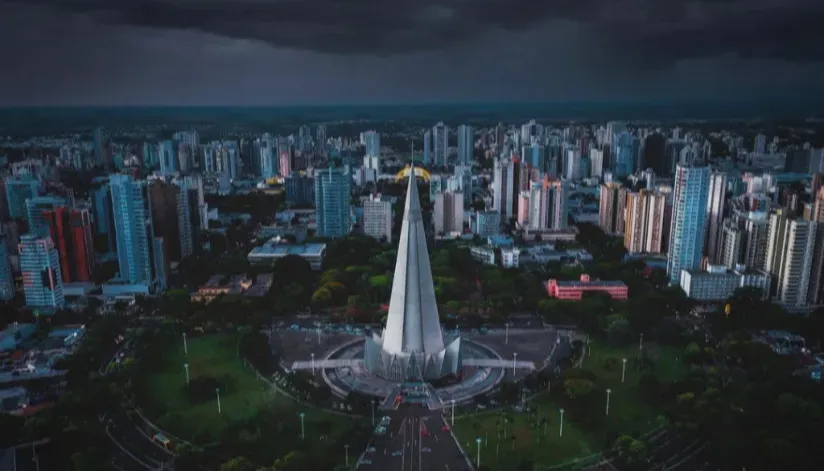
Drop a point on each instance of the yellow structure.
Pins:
(419, 172)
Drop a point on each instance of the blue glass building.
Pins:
(18, 190)
(624, 161)
(300, 189)
(689, 211)
(332, 202)
(134, 231)
(6, 275)
(40, 265)
(466, 144)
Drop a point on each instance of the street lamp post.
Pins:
(453, 413)
(302, 429)
(373, 412)
(217, 391)
(185, 345)
(641, 342)
(186, 367)
(318, 335)
(561, 427)
(514, 362)
(346, 447)
(313, 364)
(506, 338)
(623, 369)
(609, 391)
(478, 461)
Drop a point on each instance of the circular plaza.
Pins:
(349, 375)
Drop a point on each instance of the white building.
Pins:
(377, 217)
(718, 282)
(510, 257)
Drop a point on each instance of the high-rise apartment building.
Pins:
(40, 266)
(612, 209)
(377, 218)
(503, 187)
(427, 148)
(138, 260)
(440, 144)
(171, 219)
(644, 223)
(372, 142)
(332, 202)
(300, 189)
(715, 216)
(689, 212)
(448, 214)
(6, 275)
(466, 144)
(18, 190)
(548, 204)
(789, 259)
(105, 235)
(71, 230)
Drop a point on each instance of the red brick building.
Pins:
(574, 290)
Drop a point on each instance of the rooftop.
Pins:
(288, 249)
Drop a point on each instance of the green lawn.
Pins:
(628, 413)
(215, 356)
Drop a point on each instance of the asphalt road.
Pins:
(415, 442)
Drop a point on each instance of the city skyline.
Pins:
(256, 52)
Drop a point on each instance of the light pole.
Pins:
(186, 367)
(302, 429)
(623, 369)
(608, 393)
(506, 338)
(217, 391)
(453, 413)
(318, 335)
(185, 345)
(641, 343)
(373, 412)
(478, 441)
(514, 362)
(313, 364)
(346, 447)
(561, 427)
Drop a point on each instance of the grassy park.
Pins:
(510, 438)
(244, 399)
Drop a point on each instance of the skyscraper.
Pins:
(466, 144)
(644, 228)
(104, 219)
(691, 189)
(440, 144)
(71, 230)
(6, 275)
(715, 215)
(624, 161)
(171, 219)
(332, 202)
(789, 259)
(412, 344)
(40, 265)
(132, 214)
(18, 190)
(612, 208)
(427, 148)
(372, 143)
(503, 188)
(548, 204)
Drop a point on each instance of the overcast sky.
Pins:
(289, 52)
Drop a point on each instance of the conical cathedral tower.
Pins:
(412, 345)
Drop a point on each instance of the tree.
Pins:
(620, 333)
(578, 389)
(239, 463)
(631, 451)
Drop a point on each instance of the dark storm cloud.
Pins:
(648, 32)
